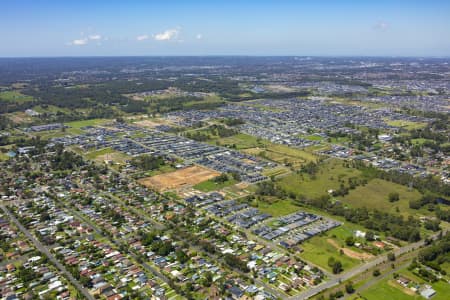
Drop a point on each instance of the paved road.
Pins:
(376, 279)
(50, 256)
(359, 269)
(118, 243)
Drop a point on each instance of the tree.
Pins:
(350, 241)
(393, 197)
(432, 225)
(181, 256)
(349, 288)
(376, 273)
(337, 267)
(391, 256)
(370, 236)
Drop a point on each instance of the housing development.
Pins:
(224, 178)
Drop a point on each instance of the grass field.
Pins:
(312, 137)
(326, 179)
(14, 96)
(275, 171)
(408, 125)
(318, 250)
(3, 156)
(241, 141)
(277, 208)
(107, 154)
(50, 109)
(45, 135)
(94, 154)
(211, 185)
(161, 170)
(388, 289)
(84, 123)
(375, 194)
(385, 289)
(263, 148)
(283, 154)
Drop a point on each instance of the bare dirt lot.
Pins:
(147, 123)
(350, 253)
(180, 178)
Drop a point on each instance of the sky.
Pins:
(226, 27)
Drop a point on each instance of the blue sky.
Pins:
(227, 27)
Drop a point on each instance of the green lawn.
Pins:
(14, 96)
(210, 185)
(374, 195)
(326, 179)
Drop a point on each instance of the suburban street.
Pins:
(47, 253)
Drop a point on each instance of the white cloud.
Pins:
(80, 42)
(169, 34)
(382, 26)
(142, 37)
(95, 37)
(199, 36)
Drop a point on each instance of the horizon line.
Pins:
(227, 55)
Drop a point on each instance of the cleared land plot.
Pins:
(177, 179)
(19, 117)
(326, 179)
(374, 195)
(152, 123)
